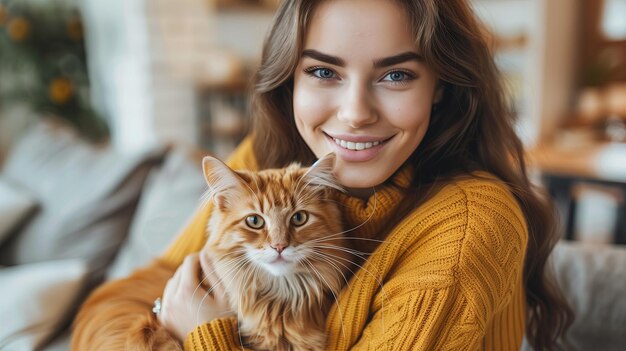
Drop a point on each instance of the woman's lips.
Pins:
(357, 138)
(356, 148)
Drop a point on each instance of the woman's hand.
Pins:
(186, 304)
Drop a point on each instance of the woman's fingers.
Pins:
(190, 272)
(217, 288)
(185, 302)
(208, 279)
(170, 290)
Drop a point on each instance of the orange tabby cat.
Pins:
(276, 242)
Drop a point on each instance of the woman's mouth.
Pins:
(357, 148)
(350, 145)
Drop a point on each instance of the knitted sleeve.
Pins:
(104, 319)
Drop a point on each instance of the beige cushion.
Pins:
(593, 278)
(87, 195)
(35, 300)
(15, 206)
(170, 197)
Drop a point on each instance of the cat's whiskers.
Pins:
(311, 194)
(339, 203)
(297, 188)
(325, 182)
(322, 181)
(245, 263)
(357, 253)
(239, 264)
(325, 255)
(332, 262)
(378, 280)
(305, 262)
(332, 292)
(231, 265)
(220, 281)
(333, 237)
(369, 218)
(328, 255)
(334, 265)
(206, 276)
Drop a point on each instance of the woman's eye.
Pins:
(255, 221)
(322, 73)
(299, 218)
(397, 76)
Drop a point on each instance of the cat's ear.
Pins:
(321, 173)
(221, 179)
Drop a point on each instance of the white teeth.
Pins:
(355, 146)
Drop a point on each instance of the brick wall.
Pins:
(180, 38)
(151, 61)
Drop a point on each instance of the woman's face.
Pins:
(361, 89)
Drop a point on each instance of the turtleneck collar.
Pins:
(366, 218)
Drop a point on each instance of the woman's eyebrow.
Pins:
(396, 59)
(378, 63)
(333, 60)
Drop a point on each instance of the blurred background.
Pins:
(144, 72)
(134, 92)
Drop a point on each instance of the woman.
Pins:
(407, 95)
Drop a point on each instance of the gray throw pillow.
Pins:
(169, 199)
(87, 196)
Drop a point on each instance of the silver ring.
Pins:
(156, 308)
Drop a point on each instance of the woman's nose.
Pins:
(356, 107)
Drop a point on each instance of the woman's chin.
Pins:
(358, 179)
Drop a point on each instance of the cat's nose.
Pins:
(279, 247)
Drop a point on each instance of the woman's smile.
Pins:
(356, 148)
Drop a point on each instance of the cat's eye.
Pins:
(299, 218)
(255, 221)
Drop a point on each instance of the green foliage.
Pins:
(43, 62)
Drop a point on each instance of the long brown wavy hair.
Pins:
(471, 128)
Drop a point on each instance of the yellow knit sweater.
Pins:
(448, 277)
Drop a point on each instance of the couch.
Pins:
(74, 214)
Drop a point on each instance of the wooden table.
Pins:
(563, 169)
